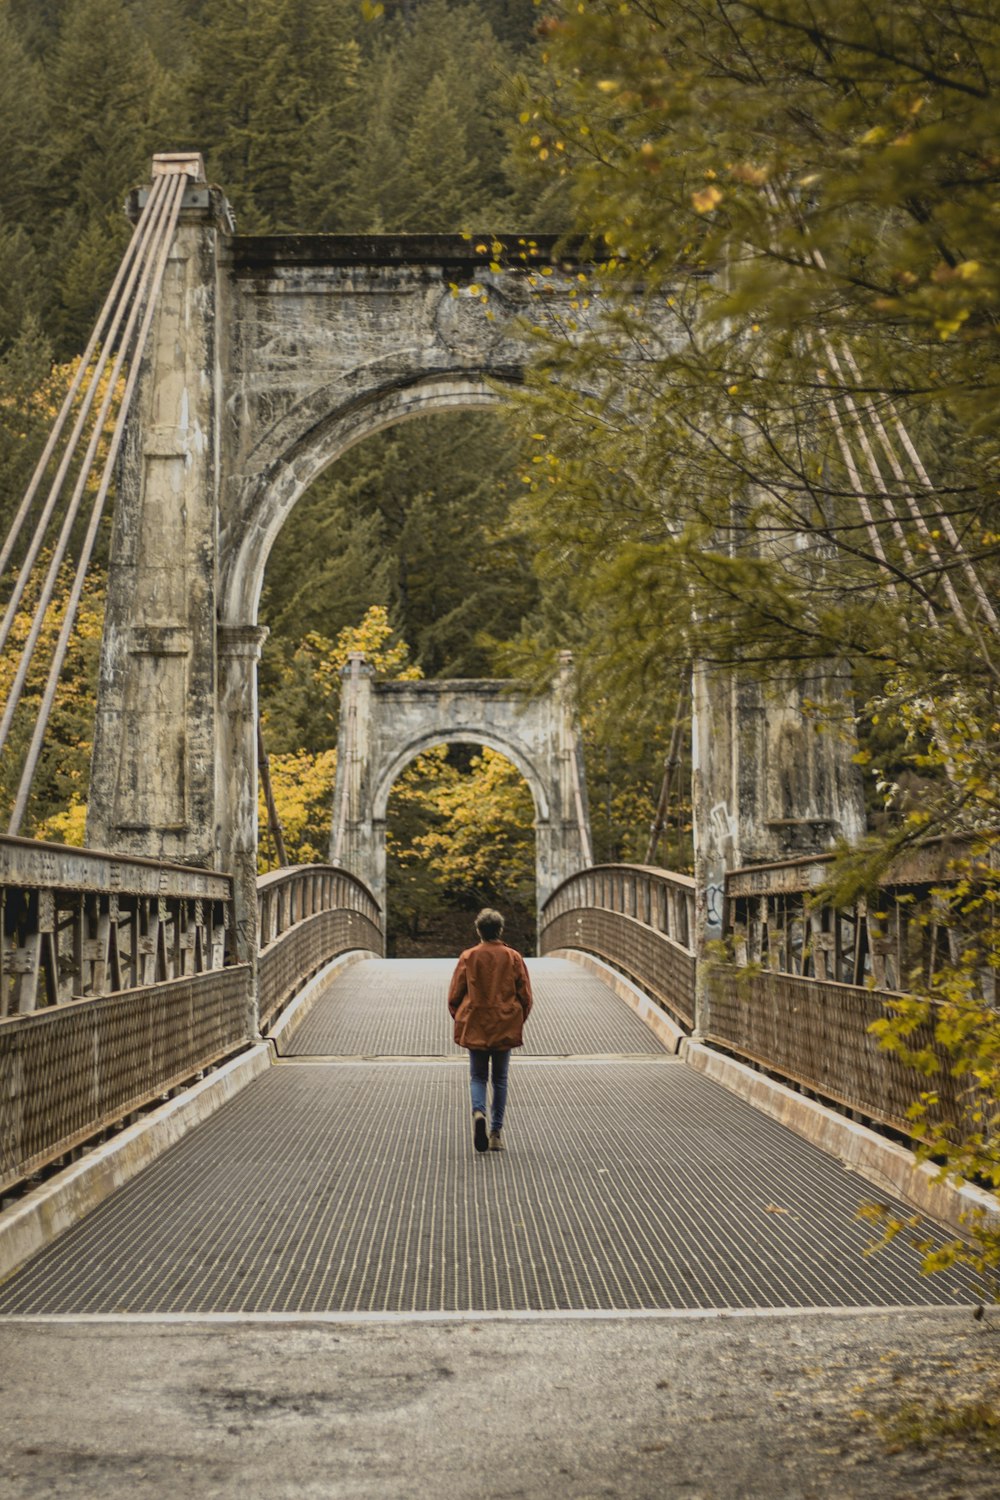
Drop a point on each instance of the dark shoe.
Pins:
(496, 1144)
(479, 1137)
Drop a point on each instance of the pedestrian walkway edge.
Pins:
(36, 1219)
(665, 1029)
(882, 1162)
(295, 1012)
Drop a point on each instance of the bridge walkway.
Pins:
(344, 1181)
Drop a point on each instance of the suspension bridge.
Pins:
(217, 1097)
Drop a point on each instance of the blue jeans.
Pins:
(479, 1072)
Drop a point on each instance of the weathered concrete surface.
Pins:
(267, 360)
(766, 783)
(641, 1409)
(32, 864)
(152, 787)
(384, 725)
(331, 339)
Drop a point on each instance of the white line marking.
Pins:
(557, 1315)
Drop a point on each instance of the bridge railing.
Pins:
(118, 982)
(78, 924)
(115, 987)
(307, 915)
(809, 979)
(637, 918)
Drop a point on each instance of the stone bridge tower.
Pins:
(268, 358)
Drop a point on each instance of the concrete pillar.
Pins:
(236, 788)
(771, 780)
(153, 771)
(379, 722)
(353, 841)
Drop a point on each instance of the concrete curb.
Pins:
(33, 1222)
(666, 1030)
(889, 1166)
(293, 1015)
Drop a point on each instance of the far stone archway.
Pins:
(384, 725)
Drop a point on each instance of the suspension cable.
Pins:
(816, 258)
(173, 199)
(138, 233)
(911, 451)
(141, 263)
(69, 520)
(879, 480)
(144, 298)
(847, 453)
(974, 581)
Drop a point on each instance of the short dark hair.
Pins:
(489, 924)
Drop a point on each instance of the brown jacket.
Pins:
(490, 997)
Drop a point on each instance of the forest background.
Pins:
(322, 116)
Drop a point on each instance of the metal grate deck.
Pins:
(396, 1008)
(353, 1187)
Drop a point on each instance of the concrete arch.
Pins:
(466, 735)
(265, 503)
(384, 725)
(268, 358)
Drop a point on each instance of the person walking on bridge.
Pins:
(489, 1000)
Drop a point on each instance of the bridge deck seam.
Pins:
(460, 1060)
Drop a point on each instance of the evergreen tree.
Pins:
(169, 27)
(512, 21)
(110, 106)
(378, 187)
(94, 248)
(37, 23)
(430, 200)
(432, 88)
(421, 516)
(271, 93)
(23, 130)
(25, 413)
(23, 286)
(331, 62)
